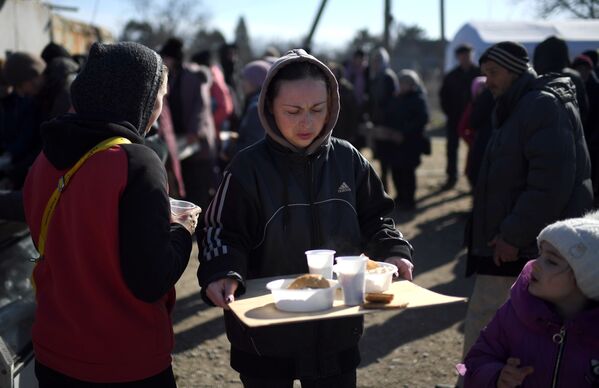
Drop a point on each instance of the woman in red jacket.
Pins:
(109, 254)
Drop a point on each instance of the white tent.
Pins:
(580, 35)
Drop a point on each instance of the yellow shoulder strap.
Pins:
(63, 181)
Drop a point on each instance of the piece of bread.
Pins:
(378, 297)
(309, 281)
(371, 264)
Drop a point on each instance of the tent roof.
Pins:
(580, 35)
(536, 31)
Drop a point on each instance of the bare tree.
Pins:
(583, 9)
(158, 20)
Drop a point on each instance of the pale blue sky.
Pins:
(280, 20)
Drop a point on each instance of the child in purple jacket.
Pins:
(547, 333)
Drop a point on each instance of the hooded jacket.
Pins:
(105, 284)
(277, 201)
(551, 56)
(535, 171)
(528, 328)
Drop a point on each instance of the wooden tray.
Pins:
(257, 308)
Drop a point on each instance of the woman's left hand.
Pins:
(404, 266)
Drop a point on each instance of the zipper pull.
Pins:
(558, 338)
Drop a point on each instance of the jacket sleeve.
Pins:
(154, 252)
(445, 94)
(228, 232)
(224, 102)
(250, 128)
(379, 235)
(199, 97)
(417, 118)
(488, 355)
(550, 155)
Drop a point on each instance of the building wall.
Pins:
(24, 26)
(28, 25)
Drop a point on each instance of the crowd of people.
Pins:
(271, 151)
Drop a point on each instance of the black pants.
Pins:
(453, 141)
(49, 378)
(404, 179)
(345, 380)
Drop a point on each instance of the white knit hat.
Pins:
(577, 240)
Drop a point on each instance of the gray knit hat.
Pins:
(577, 240)
(255, 72)
(119, 82)
(21, 67)
(510, 55)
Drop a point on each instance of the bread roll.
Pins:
(371, 264)
(377, 297)
(309, 281)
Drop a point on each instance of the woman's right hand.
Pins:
(188, 220)
(222, 292)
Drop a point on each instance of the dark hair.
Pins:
(203, 57)
(463, 49)
(293, 72)
(359, 53)
(593, 55)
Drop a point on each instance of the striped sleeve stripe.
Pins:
(214, 245)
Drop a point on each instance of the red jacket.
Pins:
(104, 289)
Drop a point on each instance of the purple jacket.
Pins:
(528, 328)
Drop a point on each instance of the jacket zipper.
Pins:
(560, 339)
(313, 229)
(315, 232)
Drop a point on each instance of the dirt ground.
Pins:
(411, 348)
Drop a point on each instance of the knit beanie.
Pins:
(255, 72)
(53, 50)
(173, 48)
(582, 60)
(119, 82)
(577, 240)
(21, 67)
(510, 55)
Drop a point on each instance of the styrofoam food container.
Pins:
(379, 279)
(303, 300)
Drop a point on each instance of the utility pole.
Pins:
(308, 40)
(387, 21)
(443, 41)
(442, 13)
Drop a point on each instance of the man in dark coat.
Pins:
(535, 171)
(455, 95)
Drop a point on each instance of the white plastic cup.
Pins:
(351, 273)
(180, 207)
(320, 262)
(185, 213)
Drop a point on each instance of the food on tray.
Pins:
(371, 264)
(309, 281)
(378, 297)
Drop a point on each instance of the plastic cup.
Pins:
(180, 207)
(185, 213)
(320, 261)
(351, 273)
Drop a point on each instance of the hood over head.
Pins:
(267, 118)
(551, 55)
(119, 82)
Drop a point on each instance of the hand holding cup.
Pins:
(185, 213)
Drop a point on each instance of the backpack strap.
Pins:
(63, 182)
